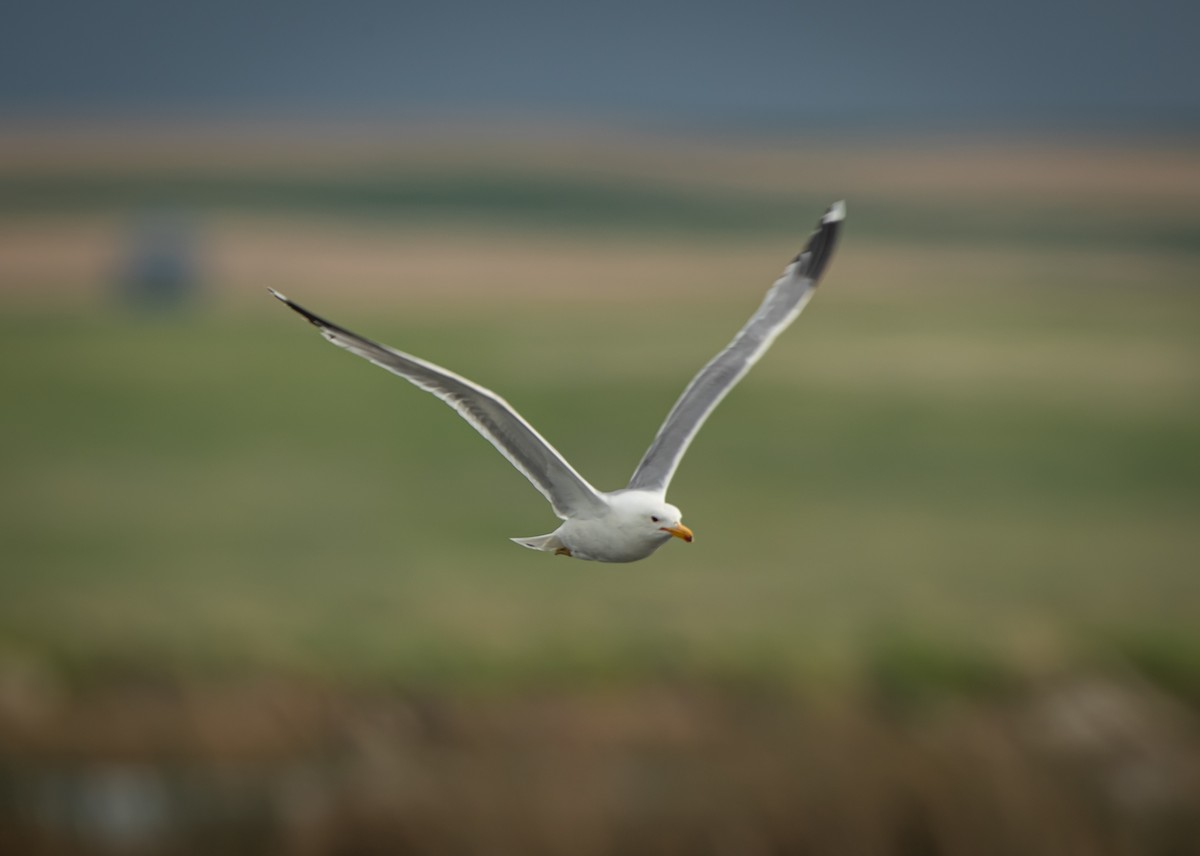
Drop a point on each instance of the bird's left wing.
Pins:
(569, 493)
(787, 297)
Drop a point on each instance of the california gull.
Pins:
(631, 523)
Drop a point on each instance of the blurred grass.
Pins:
(974, 457)
(1008, 472)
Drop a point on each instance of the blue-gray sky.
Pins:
(769, 62)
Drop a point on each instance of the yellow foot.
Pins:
(562, 551)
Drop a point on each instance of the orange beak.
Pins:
(679, 531)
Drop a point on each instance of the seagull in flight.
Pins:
(631, 523)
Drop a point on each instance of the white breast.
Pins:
(606, 540)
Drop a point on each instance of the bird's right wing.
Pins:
(787, 297)
(569, 493)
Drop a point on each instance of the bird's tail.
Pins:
(545, 543)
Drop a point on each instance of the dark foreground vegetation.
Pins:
(1086, 765)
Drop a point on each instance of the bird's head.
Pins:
(648, 515)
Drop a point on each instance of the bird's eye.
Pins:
(653, 519)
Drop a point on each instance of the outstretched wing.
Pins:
(568, 492)
(783, 303)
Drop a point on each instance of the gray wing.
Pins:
(568, 492)
(787, 297)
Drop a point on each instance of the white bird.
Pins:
(628, 524)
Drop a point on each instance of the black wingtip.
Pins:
(819, 250)
(313, 318)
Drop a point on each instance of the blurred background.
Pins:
(257, 595)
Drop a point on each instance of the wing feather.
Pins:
(569, 493)
(783, 303)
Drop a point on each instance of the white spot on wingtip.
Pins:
(277, 294)
(836, 212)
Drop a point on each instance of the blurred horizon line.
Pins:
(618, 127)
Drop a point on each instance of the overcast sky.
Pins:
(788, 64)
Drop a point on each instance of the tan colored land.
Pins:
(78, 258)
(70, 255)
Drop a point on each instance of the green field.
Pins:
(1005, 470)
(257, 595)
